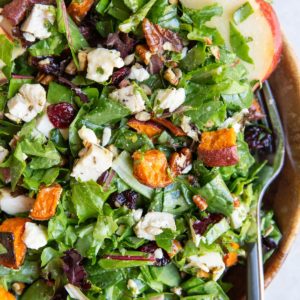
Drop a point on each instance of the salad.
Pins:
(131, 146)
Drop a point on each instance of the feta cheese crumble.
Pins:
(27, 103)
(3, 154)
(138, 73)
(14, 205)
(93, 161)
(88, 136)
(130, 97)
(187, 128)
(101, 63)
(238, 216)
(153, 223)
(35, 236)
(211, 263)
(170, 99)
(39, 22)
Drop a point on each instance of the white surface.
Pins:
(286, 283)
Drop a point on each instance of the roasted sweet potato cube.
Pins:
(176, 247)
(147, 127)
(230, 259)
(11, 237)
(79, 9)
(151, 168)
(218, 148)
(170, 126)
(5, 295)
(44, 207)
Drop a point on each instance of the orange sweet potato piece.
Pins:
(170, 126)
(230, 259)
(218, 148)
(151, 168)
(78, 9)
(44, 207)
(5, 295)
(147, 127)
(180, 160)
(11, 237)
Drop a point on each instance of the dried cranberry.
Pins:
(201, 226)
(121, 42)
(151, 247)
(131, 198)
(119, 75)
(269, 243)
(117, 199)
(128, 198)
(258, 138)
(61, 115)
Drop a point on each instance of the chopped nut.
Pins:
(208, 41)
(202, 274)
(269, 230)
(44, 78)
(200, 202)
(180, 160)
(18, 288)
(144, 53)
(171, 77)
(114, 150)
(176, 247)
(173, 2)
(71, 68)
(82, 59)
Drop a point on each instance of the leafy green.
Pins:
(130, 141)
(134, 5)
(239, 44)
(216, 231)
(194, 58)
(217, 196)
(242, 13)
(88, 199)
(39, 290)
(6, 50)
(53, 45)
(105, 228)
(17, 166)
(167, 275)
(58, 93)
(164, 240)
(15, 84)
(135, 19)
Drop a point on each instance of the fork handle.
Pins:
(255, 276)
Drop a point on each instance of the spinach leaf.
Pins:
(130, 141)
(105, 228)
(239, 44)
(107, 111)
(58, 93)
(88, 199)
(6, 50)
(57, 225)
(167, 275)
(217, 196)
(17, 166)
(134, 20)
(242, 13)
(194, 58)
(134, 5)
(39, 290)
(164, 240)
(53, 45)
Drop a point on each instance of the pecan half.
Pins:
(179, 161)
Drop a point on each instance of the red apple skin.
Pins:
(272, 19)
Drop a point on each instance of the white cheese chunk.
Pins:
(93, 162)
(106, 136)
(236, 121)
(39, 22)
(14, 205)
(133, 287)
(153, 223)
(27, 103)
(3, 154)
(187, 128)
(211, 262)
(88, 136)
(130, 97)
(170, 99)
(35, 236)
(129, 59)
(44, 125)
(238, 216)
(101, 63)
(138, 73)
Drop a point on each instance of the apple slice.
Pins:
(262, 26)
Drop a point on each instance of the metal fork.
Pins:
(255, 272)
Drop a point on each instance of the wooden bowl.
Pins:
(284, 195)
